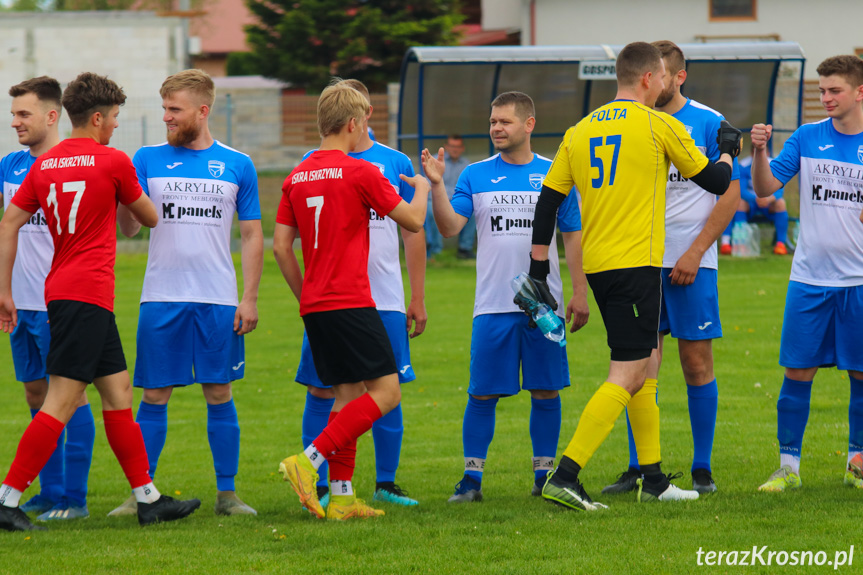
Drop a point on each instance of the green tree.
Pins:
(306, 42)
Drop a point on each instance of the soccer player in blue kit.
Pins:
(824, 304)
(500, 192)
(694, 219)
(191, 323)
(36, 113)
(385, 278)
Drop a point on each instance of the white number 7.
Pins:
(78, 188)
(316, 202)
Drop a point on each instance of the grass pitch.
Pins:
(510, 532)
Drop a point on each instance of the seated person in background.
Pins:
(772, 208)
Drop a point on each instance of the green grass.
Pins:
(510, 532)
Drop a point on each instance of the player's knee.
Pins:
(216, 394)
(544, 393)
(321, 393)
(779, 206)
(157, 396)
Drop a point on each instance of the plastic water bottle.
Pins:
(740, 239)
(544, 317)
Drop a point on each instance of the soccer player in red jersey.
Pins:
(78, 184)
(326, 200)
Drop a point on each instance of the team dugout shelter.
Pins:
(448, 90)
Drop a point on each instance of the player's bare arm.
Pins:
(449, 223)
(412, 216)
(686, 268)
(283, 250)
(415, 259)
(129, 226)
(577, 310)
(13, 218)
(763, 181)
(143, 211)
(252, 256)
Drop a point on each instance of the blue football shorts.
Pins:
(821, 327)
(691, 312)
(500, 343)
(29, 342)
(395, 323)
(182, 343)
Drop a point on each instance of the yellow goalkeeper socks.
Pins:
(596, 422)
(644, 419)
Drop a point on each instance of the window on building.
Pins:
(732, 9)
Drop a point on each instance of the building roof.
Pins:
(221, 28)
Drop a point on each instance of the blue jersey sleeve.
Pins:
(462, 198)
(248, 202)
(787, 164)
(140, 163)
(406, 191)
(569, 213)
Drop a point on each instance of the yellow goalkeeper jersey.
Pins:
(618, 158)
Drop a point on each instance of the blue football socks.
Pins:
(315, 417)
(153, 421)
(780, 221)
(855, 416)
(80, 435)
(387, 432)
(703, 405)
(545, 418)
(793, 413)
(477, 433)
(223, 431)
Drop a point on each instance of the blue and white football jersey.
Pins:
(385, 271)
(502, 197)
(687, 205)
(35, 246)
(196, 193)
(830, 247)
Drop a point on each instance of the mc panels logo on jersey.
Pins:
(509, 213)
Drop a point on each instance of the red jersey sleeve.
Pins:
(125, 178)
(25, 198)
(285, 214)
(377, 191)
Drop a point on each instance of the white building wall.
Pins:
(501, 14)
(138, 50)
(822, 32)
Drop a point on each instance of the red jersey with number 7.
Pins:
(78, 183)
(328, 197)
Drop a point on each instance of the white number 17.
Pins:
(78, 188)
(316, 202)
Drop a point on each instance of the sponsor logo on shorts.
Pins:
(705, 326)
(238, 366)
(405, 369)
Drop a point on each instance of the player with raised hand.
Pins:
(192, 322)
(36, 113)
(79, 184)
(694, 219)
(385, 278)
(326, 201)
(824, 304)
(618, 158)
(501, 192)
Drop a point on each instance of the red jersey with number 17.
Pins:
(78, 183)
(328, 197)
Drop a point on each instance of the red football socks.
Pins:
(35, 448)
(342, 432)
(127, 443)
